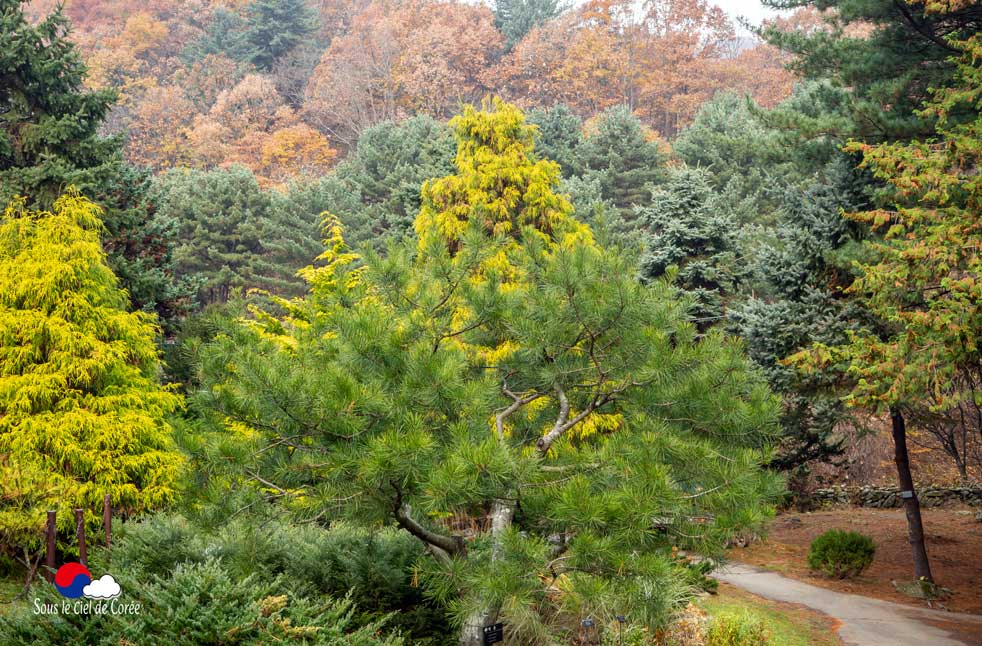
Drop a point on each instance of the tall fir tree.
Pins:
(225, 35)
(275, 28)
(690, 234)
(81, 414)
(559, 135)
(624, 157)
(49, 135)
(748, 161)
(800, 299)
(49, 140)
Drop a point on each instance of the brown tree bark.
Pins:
(912, 506)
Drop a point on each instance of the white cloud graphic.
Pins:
(104, 587)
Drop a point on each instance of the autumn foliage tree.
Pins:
(400, 58)
(251, 125)
(663, 61)
(924, 279)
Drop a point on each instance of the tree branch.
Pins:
(517, 402)
(564, 423)
(449, 545)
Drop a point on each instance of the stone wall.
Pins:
(890, 497)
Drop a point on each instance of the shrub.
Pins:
(374, 569)
(736, 629)
(688, 628)
(841, 554)
(199, 604)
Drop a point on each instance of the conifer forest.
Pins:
(463, 322)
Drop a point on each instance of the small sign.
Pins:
(906, 495)
(494, 634)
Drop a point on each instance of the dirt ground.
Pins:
(954, 544)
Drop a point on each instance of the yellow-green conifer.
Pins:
(81, 413)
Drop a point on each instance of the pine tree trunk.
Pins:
(912, 507)
(472, 632)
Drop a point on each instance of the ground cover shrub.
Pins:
(841, 554)
(688, 629)
(196, 604)
(375, 570)
(736, 629)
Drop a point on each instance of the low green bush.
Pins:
(374, 569)
(254, 579)
(736, 629)
(841, 554)
(197, 604)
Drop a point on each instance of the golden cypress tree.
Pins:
(81, 413)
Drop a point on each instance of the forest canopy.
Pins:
(388, 321)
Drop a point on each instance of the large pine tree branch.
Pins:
(442, 546)
(923, 28)
(563, 421)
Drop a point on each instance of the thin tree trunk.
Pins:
(472, 632)
(912, 507)
(962, 472)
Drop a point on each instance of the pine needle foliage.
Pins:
(81, 414)
(504, 390)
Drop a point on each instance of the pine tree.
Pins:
(374, 191)
(504, 390)
(275, 27)
(889, 53)
(81, 415)
(234, 234)
(687, 229)
(516, 18)
(624, 157)
(49, 139)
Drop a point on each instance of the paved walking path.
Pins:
(865, 621)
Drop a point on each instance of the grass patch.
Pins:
(787, 624)
(10, 587)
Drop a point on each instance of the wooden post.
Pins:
(50, 536)
(107, 518)
(80, 532)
